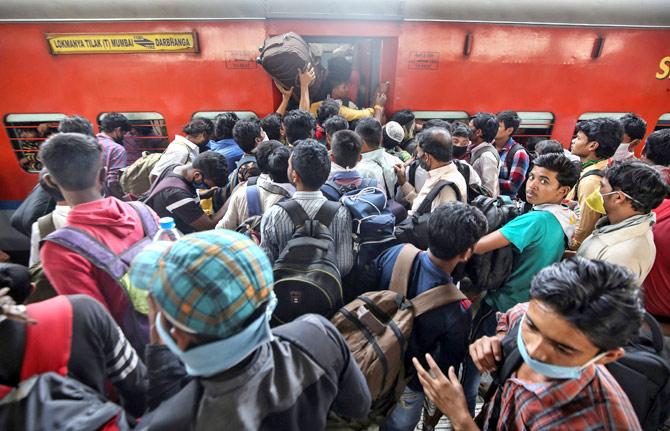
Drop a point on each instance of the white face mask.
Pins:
(622, 152)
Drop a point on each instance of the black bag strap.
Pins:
(509, 158)
(598, 172)
(295, 211)
(413, 166)
(437, 189)
(464, 170)
(656, 332)
(327, 212)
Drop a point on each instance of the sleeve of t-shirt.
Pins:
(524, 230)
(183, 205)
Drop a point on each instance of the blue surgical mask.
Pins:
(215, 357)
(549, 370)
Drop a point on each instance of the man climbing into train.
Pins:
(550, 354)
(213, 356)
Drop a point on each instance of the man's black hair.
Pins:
(278, 164)
(17, 278)
(113, 120)
(310, 160)
(600, 299)
(346, 148)
(606, 131)
(224, 123)
(567, 173)
(76, 124)
(403, 117)
(657, 147)
(487, 123)
(370, 130)
(263, 151)
(298, 125)
(245, 133)
(199, 125)
(460, 129)
(640, 181)
(437, 122)
(339, 71)
(73, 160)
(633, 126)
(52, 191)
(271, 125)
(327, 109)
(212, 166)
(453, 228)
(509, 119)
(548, 146)
(335, 124)
(436, 141)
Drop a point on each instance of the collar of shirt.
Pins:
(558, 392)
(223, 143)
(377, 154)
(334, 167)
(308, 196)
(345, 175)
(191, 145)
(430, 271)
(508, 145)
(444, 170)
(629, 228)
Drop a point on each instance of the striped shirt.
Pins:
(277, 229)
(593, 401)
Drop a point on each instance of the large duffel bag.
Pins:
(282, 55)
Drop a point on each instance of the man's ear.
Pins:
(466, 255)
(509, 130)
(50, 182)
(611, 356)
(565, 190)
(593, 145)
(332, 158)
(360, 157)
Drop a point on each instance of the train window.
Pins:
(423, 116)
(663, 122)
(242, 115)
(147, 130)
(534, 127)
(592, 115)
(27, 132)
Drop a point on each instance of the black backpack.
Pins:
(642, 373)
(307, 279)
(414, 229)
(37, 204)
(474, 190)
(490, 270)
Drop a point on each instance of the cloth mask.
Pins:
(549, 370)
(213, 358)
(459, 151)
(596, 201)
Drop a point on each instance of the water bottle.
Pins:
(167, 231)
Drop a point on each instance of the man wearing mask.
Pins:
(627, 195)
(580, 315)
(175, 194)
(114, 127)
(634, 128)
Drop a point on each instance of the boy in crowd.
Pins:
(634, 128)
(460, 136)
(308, 169)
(484, 156)
(513, 157)
(595, 143)
(454, 229)
(225, 143)
(182, 149)
(247, 135)
(271, 186)
(114, 127)
(628, 193)
(176, 194)
(298, 125)
(580, 315)
(212, 346)
(332, 125)
(376, 162)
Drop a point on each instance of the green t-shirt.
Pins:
(538, 241)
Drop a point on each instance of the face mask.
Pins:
(215, 357)
(459, 151)
(622, 152)
(549, 370)
(596, 202)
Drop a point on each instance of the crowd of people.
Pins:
(181, 334)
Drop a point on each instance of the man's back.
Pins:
(268, 194)
(290, 383)
(113, 223)
(180, 151)
(173, 196)
(378, 164)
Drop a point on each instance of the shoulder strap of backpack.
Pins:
(331, 191)
(509, 158)
(46, 224)
(149, 223)
(327, 212)
(412, 172)
(89, 248)
(598, 172)
(52, 335)
(252, 181)
(253, 200)
(389, 192)
(656, 332)
(295, 211)
(437, 189)
(402, 269)
(436, 297)
(463, 170)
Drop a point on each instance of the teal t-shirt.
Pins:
(538, 241)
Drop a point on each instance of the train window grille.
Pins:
(147, 130)
(26, 134)
(663, 122)
(534, 127)
(450, 116)
(242, 115)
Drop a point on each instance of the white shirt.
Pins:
(378, 164)
(179, 152)
(59, 218)
(448, 173)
